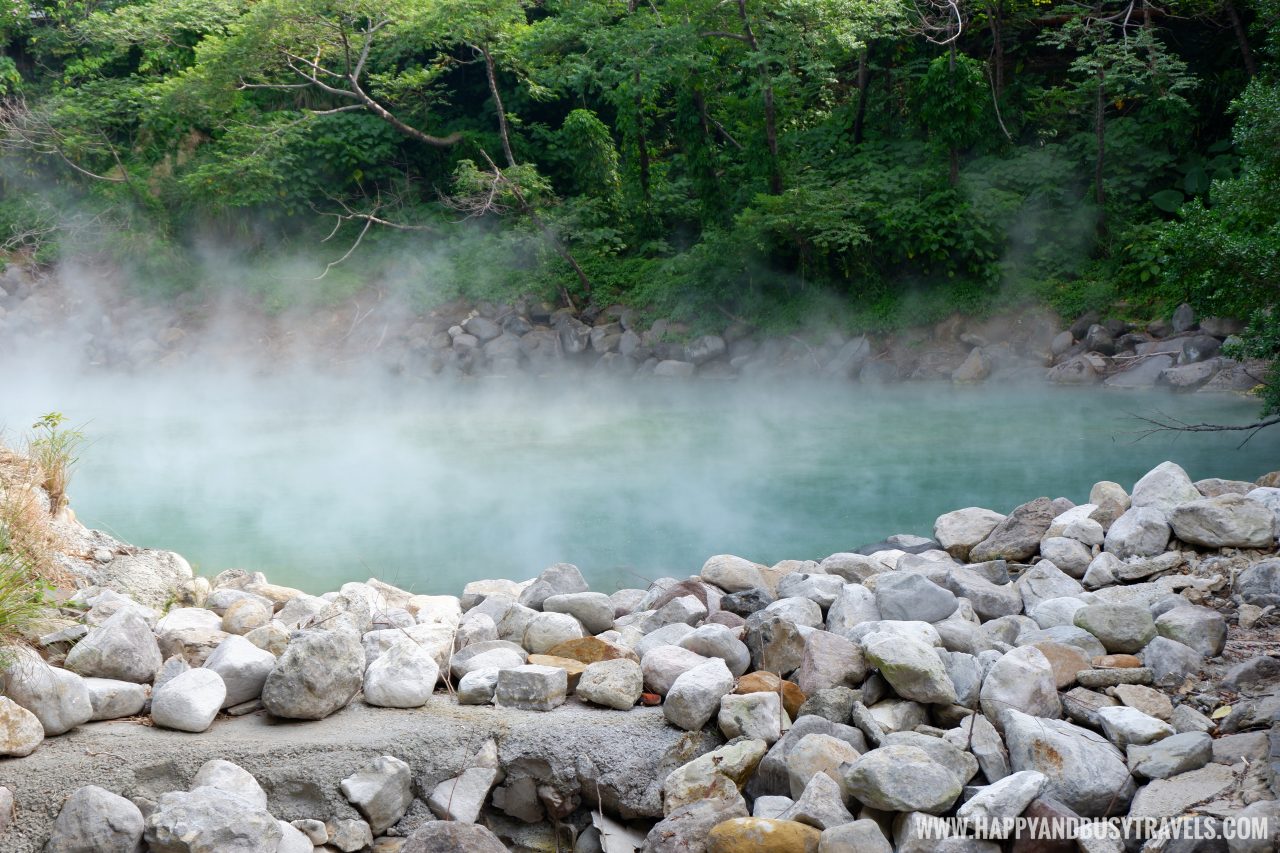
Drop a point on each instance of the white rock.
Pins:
(1164, 487)
(20, 730)
(231, 778)
(695, 696)
(546, 630)
(189, 702)
(208, 819)
(113, 699)
(57, 697)
(382, 790)
(94, 820)
(243, 668)
(122, 648)
(531, 688)
(1004, 799)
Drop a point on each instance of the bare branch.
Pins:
(1161, 422)
(23, 129)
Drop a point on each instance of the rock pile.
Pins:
(1051, 662)
(531, 337)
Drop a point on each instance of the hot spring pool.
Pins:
(319, 481)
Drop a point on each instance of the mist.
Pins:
(321, 471)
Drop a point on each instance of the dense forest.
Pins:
(873, 162)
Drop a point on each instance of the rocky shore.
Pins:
(463, 339)
(1114, 658)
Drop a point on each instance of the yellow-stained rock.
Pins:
(592, 650)
(766, 682)
(762, 835)
(1065, 660)
(569, 665)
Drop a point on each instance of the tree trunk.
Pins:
(1100, 134)
(953, 153)
(497, 100)
(864, 78)
(1242, 38)
(770, 110)
(994, 13)
(642, 143)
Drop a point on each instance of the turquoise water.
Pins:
(316, 482)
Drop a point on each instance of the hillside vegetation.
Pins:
(869, 162)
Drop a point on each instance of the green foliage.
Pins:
(1225, 258)
(54, 448)
(775, 160)
(951, 101)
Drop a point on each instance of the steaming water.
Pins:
(318, 482)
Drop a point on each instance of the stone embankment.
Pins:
(1113, 658)
(534, 338)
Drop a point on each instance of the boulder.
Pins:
(663, 665)
(462, 797)
(1044, 581)
(1122, 628)
(817, 753)
(856, 604)
(902, 779)
(547, 630)
(531, 688)
(1169, 756)
(1226, 521)
(759, 716)
(695, 695)
(718, 774)
(821, 805)
(1018, 536)
(1259, 584)
(208, 819)
(189, 702)
(1169, 661)
(829, 661)
(57, 697)
(593, 609)
(719, 641)
(1023, 680)
(404, 676)
(1164, 487)
(614, 683)
(762, 835)
(232, 779)
(1082, 769)
(861, 836)
(685, 828)
(1004, 799)
(318, 674)
(1124, 726)
(559, 579)
(122, 648)
(1200, 628)
(1070, 555)
(732, 574)
(1143, 531)
(960, 530)
(191, 632)
(911, 667)
(94, 820)
(447, 836)
(243, 668)
(907, 596)
(20, 730)
(989, 600)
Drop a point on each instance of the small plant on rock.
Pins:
(53, 449)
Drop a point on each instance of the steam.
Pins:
(318, 476)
